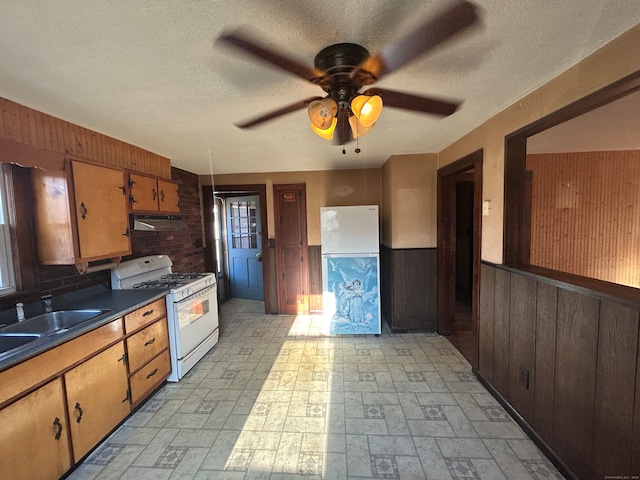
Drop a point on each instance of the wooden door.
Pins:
(35, 440)
(244, 244)
(169, 200)
(101, 211)
(143, 193)
(291, 248)
(97, 398)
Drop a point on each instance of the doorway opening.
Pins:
(237, 244)
(459, 217)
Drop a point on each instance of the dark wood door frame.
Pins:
(261, 191)
(447, 242)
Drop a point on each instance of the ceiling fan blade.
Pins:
(417, 103)
(277, 113)
(447, 23)
(242, 39)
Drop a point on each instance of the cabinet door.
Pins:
(144, 193)
(97, 398)
(168, 196)
(101, 210)
(34, 441)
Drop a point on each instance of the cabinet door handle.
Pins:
(77, 407)
(58, 425)
(123, 359)
(162, 195)
(127, 396)
(150, 342)
(154, 193)
(124, 189)
(155, 370)
(83, 210)
(126, 233)
(147, 313)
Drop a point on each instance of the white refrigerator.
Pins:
(350, 245)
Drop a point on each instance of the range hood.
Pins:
(158, 223)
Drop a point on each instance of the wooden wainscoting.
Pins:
(565, 360)
(409, 287)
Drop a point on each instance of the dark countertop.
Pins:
(119, 302)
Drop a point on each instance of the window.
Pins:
(7, 279)
(244, 233)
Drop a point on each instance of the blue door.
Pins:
(245, 247)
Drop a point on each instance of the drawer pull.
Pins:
(57, 424)
(147, 313)
(155, 370)
(77, 407)
(150, 342)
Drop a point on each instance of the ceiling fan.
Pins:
(341, 70)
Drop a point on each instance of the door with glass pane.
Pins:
(244, 247)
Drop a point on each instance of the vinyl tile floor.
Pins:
(277, 399)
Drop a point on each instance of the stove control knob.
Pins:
(189, 291)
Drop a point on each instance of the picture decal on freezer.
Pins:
(354, 284)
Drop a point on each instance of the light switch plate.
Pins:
(486, 208)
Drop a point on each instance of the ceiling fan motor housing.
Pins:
(339, 61)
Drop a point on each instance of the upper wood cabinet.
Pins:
(149, 194)
(81, 213)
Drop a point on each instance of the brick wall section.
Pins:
(183, 246)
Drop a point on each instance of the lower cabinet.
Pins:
(35, 443)
(148, 354)
(60, 404)
(97, 398)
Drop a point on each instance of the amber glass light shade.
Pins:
(327, 133)
(367, 109)
(357, 129)
(322, 112)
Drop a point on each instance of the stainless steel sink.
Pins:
(12, 341)
(52, 322)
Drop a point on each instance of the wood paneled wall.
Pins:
(409, 286)
(584, 215)
(567, 361)
(30, 127)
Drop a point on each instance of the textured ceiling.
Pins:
(148, 73)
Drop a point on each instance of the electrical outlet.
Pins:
(524, 377)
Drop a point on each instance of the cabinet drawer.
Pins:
(149, 376)
(145, 315)
(147, 343)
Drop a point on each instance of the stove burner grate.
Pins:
(163, 283)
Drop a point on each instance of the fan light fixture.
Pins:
(322, 113)
(327, 133)
(365, 109)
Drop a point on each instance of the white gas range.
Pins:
(192, 306)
